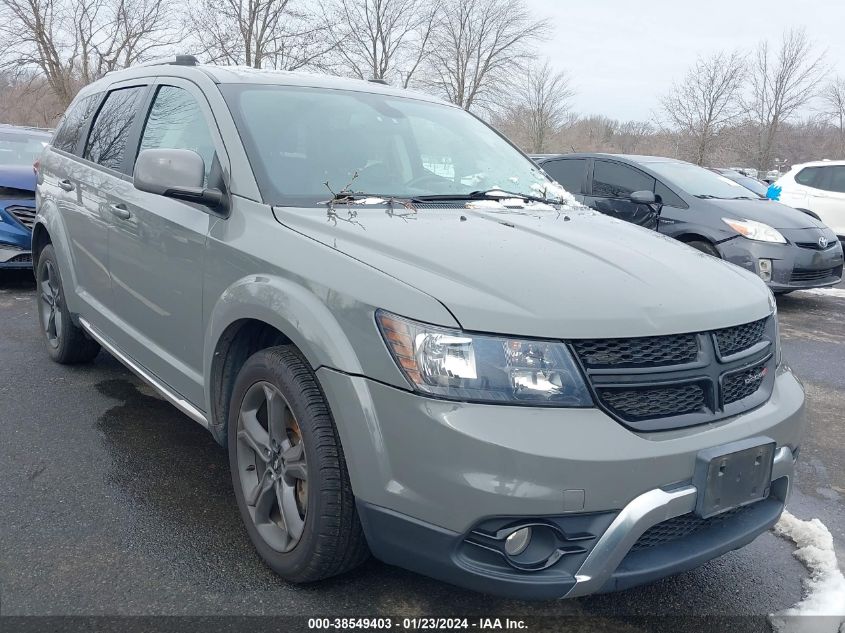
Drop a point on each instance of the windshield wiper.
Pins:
(490, 194)
(707, 196)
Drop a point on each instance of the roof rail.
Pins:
(173, 60)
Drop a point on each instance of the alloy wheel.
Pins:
(50, 304)
(272, 466)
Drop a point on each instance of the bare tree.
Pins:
(706, 101)
(541, 104)
(782, 82)
(382, 39)
(277, 34)
(73, 42)
(833, 97)
(480, 48)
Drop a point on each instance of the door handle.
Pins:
(66, 184)
(120, 211)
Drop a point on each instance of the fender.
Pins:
(50, 219)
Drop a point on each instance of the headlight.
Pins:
(469, 367)
(755, 230)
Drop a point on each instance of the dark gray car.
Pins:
(788, 249)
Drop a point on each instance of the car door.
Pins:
(157, 247)
(569, 173)
(827, 198)
(97, 179)
(611, 185)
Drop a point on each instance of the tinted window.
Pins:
(669, 197)
(107, 141)
(70, 129)
(835, 179)
(297, 139)
(809, 176)
(614, 180)
(569, 173)
(177, 122)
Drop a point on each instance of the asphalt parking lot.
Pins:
(112, 502)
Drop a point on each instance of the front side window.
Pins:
(615, 180)
(835, 180)
(809, 176)
(298, 139)
(70, 129)
(177, 122)
(569, 173)
(107, 140)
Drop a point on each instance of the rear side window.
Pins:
(615, 180)
(569, 173)
(107, 141)
(70, 129)
(809, 176)
(177, 122)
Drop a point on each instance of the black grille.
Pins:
(679, 527)
(26, 258)
(743, 383)
(816, 246)
(736, 339)
(24, 215)
(654, 402)
(650, 351)
(799, 275)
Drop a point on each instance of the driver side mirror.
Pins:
(643, 197)
(174, 173)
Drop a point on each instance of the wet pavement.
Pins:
(112, 502)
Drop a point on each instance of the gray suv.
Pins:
(411, 341)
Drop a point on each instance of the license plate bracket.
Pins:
(733, 475)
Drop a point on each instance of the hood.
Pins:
(775, 214)
(17, 177)
(567, 274)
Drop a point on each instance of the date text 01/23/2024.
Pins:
(417, 623)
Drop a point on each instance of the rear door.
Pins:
(797, 190)
(570, 173)
(611, 185)
(157, 246)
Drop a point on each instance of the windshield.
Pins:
(700, 182)
(754, 185)
(298, 139)
(20, 149)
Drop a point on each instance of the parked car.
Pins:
(500, 389)
(818, 187)
(752, 184)
(19, 147)
(786, 249)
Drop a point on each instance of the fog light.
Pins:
(764, 266)
(517, 541)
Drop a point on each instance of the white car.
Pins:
(818, 187)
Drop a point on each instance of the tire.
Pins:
(66, 342)
(305, 529)
(704, 247)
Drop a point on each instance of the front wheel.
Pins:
(289, 471)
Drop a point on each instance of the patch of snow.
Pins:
(485, 204)
(825, 292)
(370, 201)
(823, 606)
(553, 191)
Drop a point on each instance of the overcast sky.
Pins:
(623, 54)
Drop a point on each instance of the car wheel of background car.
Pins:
(705, 247)
(289, 471)
(66, 343)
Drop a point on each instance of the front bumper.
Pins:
(428, 473)
(14, 257)
(793, 267)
